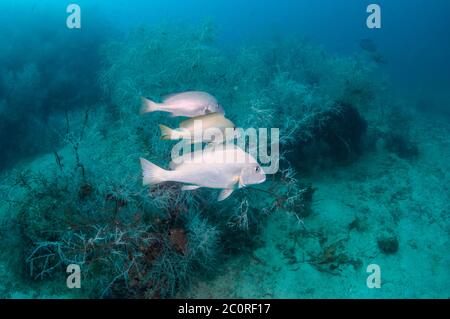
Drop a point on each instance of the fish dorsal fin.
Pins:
(190, 122)
(166, 97)
(224, 194)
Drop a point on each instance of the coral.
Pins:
(178, 239)
(301, 202)
(203, 241)
(127, 244)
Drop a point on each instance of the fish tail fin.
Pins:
(152, 174)
(148, 106)
(167, 133)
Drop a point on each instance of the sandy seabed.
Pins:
(327, 256)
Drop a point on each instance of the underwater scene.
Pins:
(224, 149)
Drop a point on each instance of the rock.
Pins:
(331, 137)
(388, 244)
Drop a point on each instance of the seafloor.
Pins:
(354, 206)
(325, 255)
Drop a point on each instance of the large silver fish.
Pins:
(189, 104)
(227, 168)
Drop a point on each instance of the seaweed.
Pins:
(332, 258)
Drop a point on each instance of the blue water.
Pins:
(372, 166)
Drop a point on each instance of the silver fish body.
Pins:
(189, 104)
(226, 168)
(213, 127)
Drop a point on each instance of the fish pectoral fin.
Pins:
(224, 194)
(238, 180)
(190, 187)
(241, 182)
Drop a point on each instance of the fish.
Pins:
(368, 45)
(204, 124)
(227, 168)
(188, 104)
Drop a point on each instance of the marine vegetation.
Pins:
(42, 76)
(84, 202)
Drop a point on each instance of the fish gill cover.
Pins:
(81, 201)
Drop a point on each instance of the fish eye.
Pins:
(257, 169)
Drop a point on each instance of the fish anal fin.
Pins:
(224, 194)
(190, 187)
